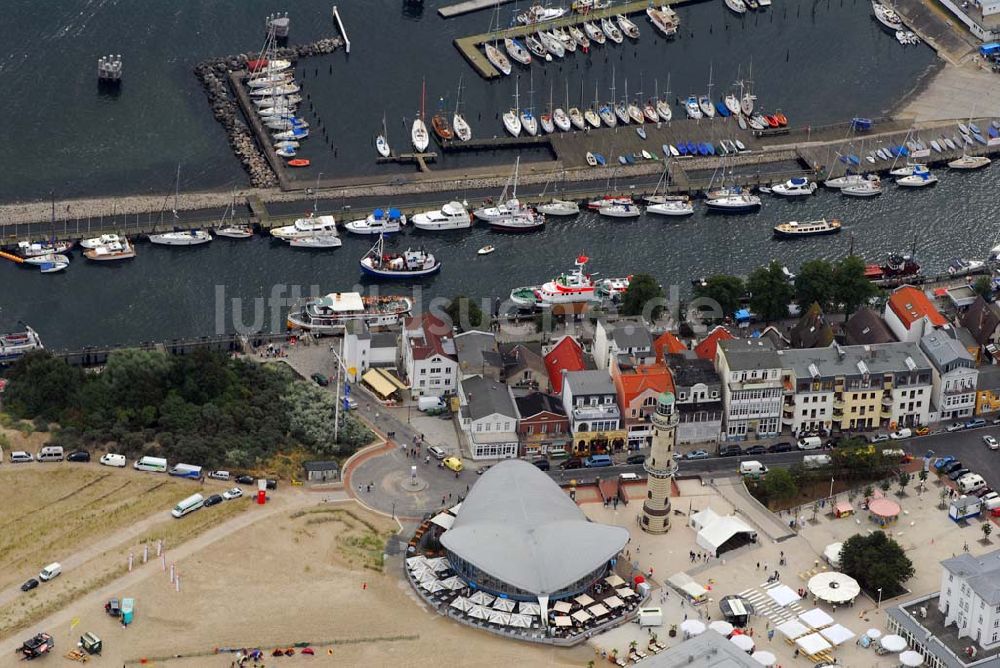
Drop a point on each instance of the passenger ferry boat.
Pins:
(808, 228)
(331, 313)
(570, 288)
(17, 344)
(306, 227)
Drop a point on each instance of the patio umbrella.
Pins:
(432, 586)
(583, 600)
(428, 578)
(438, 564)
(911, 658)
(482, 598)
(563, 620)
(613, 602)
(597, 610)
(520, 621)
(581, 616)
(764, 658)
(744, 642)
(725, 628)
(413, 562)
(421, 571)
(503, 604)
(453, 583)
(893, 643)
(625, 592)
(874, 634)
(461, 603)
(497, 617)
(614, 581)
(479, 612)
(529, 608)
(834, 587)
(562, 606)
(692, 627)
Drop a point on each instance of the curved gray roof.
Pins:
(518, 525)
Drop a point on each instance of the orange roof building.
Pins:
(911, 314)
(667, 344)
(567, 355)
(637, 387)
(706, 349)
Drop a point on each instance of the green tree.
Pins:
(724, 290)
(885, 485)
(904, 481)
(983, 286)
(987, 530)
(869, 492)
(851, 288)
(876, 561)
(770, 292)
(779, 485)
(41, 385)
(814, 284)
(465, 313)
(644, 297)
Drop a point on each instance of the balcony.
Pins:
(887, 400)
(788, 420)
(788, 409)
(591, 413)
(838, 413)
(838, 403)
(885, 413)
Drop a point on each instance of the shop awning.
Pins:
(378, 383)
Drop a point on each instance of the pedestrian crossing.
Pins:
(764, 605)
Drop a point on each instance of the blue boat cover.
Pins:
(861, 123)
(682, 148)
(711, 149)
(394, 214)
(742, 315)
(379, 213)
(692, 147)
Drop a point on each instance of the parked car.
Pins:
(698, 454)
(29, 585)
(112, 459)
(991, 442)
(954, 465)
(878, 438)
(233, 493)
(958, 473)
(989, 495)
(113, 607)
(996, 420)
(271, 483)
(941, 462)
(982, 492)
(21, 457)
(572, 463)
(435, 452)
(453, 463)
(730, 451)
(352, 404)
(213, 500)
(755, 450)
(975, 423)
(900, 434)
(78, 456)
(320, 379)
(636, 459)
(219, 475)
(542, 464)
(483, 469)
(246, 480)
(957, 426)
(784, 446)
(921, 431)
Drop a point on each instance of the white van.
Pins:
(188, 505)
(20, 456)
(155, 464)
(50, 571)
(51, 453)
(810, 443)
(970, 482)
(111, 459)
(629, 477)
(752, 468)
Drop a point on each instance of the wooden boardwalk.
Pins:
(470, 47)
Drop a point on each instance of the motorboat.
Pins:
(102, 240)
(580, 37)
(612, 31)
(442, 128)
(573, 287)
(621, 207)
(378, 222)
(734, 203)
(318, 241)
(591, 160)
(47, 259)
(119, 249)
(795, 187)
(408, 264)
(305, 227)
(15, 345)
(962, 267)
(737, 6)
(594, 33)
(664, 19)
(794, 229)
(844, 181)
(562, 120)
(27, 249)
(332, 312)
(497, 59)
(528, 122)
(234, 231)
(286, 152)
(663, 111)
(182, 238)
(918, 179)
(908, 169)
(577, 119)
(540, 14)
(692, 107)
(681, 206)
(869, 187)
(517, 51)
(630, 29)
(485, 250)
(968, 162)
(559, 207)
(451, 216)
(886, 16)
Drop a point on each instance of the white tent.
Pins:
(520, 621)
(692, 627)
(832, 554)
(478, 612)
(793, 629)
(503, 604)
(783, 595)
(837, 634)
(764, 658)
(834, 587)
(813, 643)
(498, 617)
(893, 643)
(443, 520)
(744, 642)
(816, 619)
(461, 603)
(911, 658)
(526, 608)
(482, 598)
(722, 627)
(714, 529)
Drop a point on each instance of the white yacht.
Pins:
(528, 122)
(306, 227)
(318, 240)
(737, 6)
(419, 136)
(111, 251)
(451, 216)
(182, 238)
(561, 120)
(559, 207)
(512, 122)
(886, 16)
(379, 222)
(620, 208)
(968, 162)
(796, 187)
(734, 203)
(918, 179)
(102, 240)
(908, 169)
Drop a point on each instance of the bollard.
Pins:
(130, 558)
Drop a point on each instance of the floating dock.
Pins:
(468, 7)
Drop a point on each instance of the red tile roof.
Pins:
(435, 332)
(633, 381)
(667, 344)
(911, 304)
(566, 355)
(706, 349)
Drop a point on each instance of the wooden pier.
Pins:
(451, 11)
(470, 47)
(421, 159)
(499, 143)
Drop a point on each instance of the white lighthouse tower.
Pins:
(660, 466)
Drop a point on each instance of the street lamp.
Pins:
(831, 487)
(879, 604)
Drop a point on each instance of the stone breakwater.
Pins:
(214, 75)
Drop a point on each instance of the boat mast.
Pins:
(423, 92)
(517, 95)
(458, 95)
(710, 66)
(177, 186)
(517, 165)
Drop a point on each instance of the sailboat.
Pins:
(748, 98)
(493, 54)
(508, 215)
(546, 119)
(232, 229)
(190, 237)
(512, 118)
(705, 101)
(662, 106)
(596, 114)
(560, 118)
(969, 162)
(528, 121)
(418, 133)
(381, 143)
(634, 112)
(557, 207)
(458, 122)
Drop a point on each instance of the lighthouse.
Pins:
(660, 466)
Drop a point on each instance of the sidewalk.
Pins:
(735, 492)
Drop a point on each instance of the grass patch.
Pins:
(361, 543)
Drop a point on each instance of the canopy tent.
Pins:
(613, 602)
(793, 629)
(783, 595)
(686, 585)
(837, 634)
(718, 533)
(832, 554)
(583, 600)
(413, 562)
(744, 642)
(625, 592)
(581, 616)
(812, 644)
(692, 627)
(892, 643)
(439, 564)
(883, 511)
(526, 608)
(764, 658)
(563, 620)
(498, 617)
(563, 606)
(520, 621)
(843, 509)
(503, 604)
(482, 598)
(378, 383)
(834, 587)
(614, 581)
(453, 583)
(478, 612)
(461, 603)
(443, 520)
(816, 618)
(597, 610)
(911, 658)
(719, 626)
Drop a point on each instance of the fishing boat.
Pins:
(27, 249)
(332, 312)
(795, 187)
(740, 202)
(102, 240)
(612, 31)
(737, 6)
(918, 179)
(497, 59)
(620, 207)
(299, 162)
(378, 222)
(967, 162)
(15, 345)
(118, 249)
(559, 207)
(317, 241)
(594, 33)
(181, 238)
(485, 250)
(664, 19)
(458, 122)
(406, 265)
(672, 206)
(305, 227)
(517, 51)
(573, 287)
(692, 107)
(795, 229)
(630, 29)
(868, 187)
(451, 216)
(887, 17)
(581, 39)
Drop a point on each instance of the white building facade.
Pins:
(970, 597)
(750, 371)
